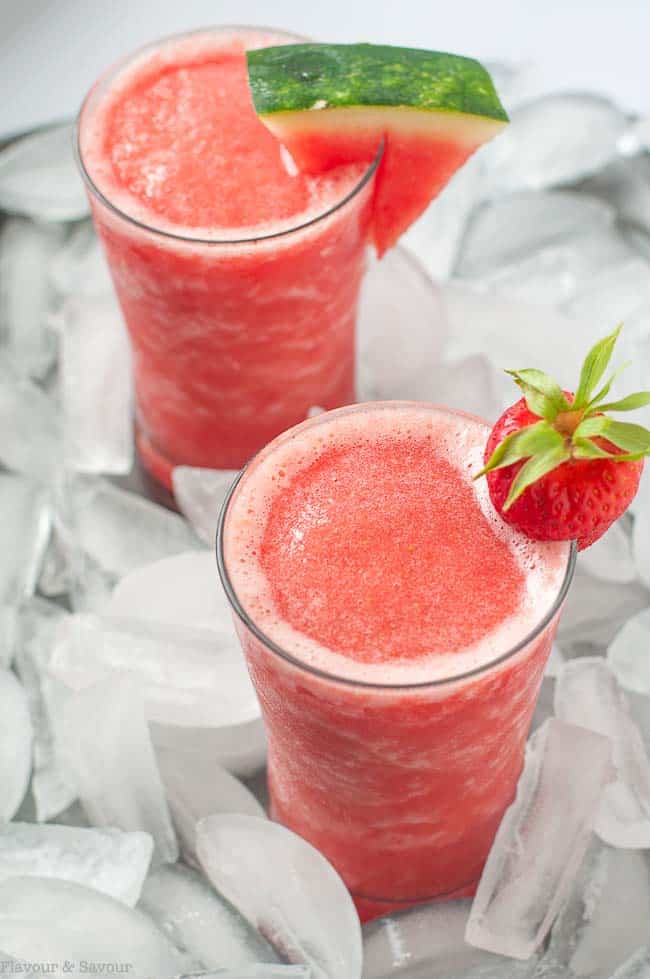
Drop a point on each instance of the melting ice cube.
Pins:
(31, 427)
(588, 694)
(104, 744)
(605, 917)
(15, 745)
(96, 387)
(196, 786)
(26, 296)
(541, 841)
(628, 657)
(107, 860)
(200, 922)
(200, 494)
(286, 889)
(60, 922)
(39, 176)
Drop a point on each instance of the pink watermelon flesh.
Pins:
(417, 161)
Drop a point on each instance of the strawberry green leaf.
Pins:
(594, 404)
(543, 394)
(527, 442)
(534, 469)
(594, 367)
(586, 449)
(590, 427)
(638, 400)
(630, 438)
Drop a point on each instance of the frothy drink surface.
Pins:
(177, 143)
(364, 547)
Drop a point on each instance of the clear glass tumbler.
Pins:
(233, 340)
(401, 785)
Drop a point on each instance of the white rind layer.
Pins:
(460, 128)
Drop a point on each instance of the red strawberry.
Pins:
(558, 468)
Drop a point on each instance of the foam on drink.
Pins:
(361, 545)
(160, 143)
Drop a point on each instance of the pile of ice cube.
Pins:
(129, 730)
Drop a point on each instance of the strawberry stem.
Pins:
(567, 422)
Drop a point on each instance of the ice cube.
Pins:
(509, 228)
(554, 661)
(120, 530)
(55, 575)
(436, 236)
(80, 268)
(196, 786)
(634, 352)
(398, 290)
(625, 184)
(15, 745)
(614, 295)
(606, 915)
(96, 387)
(541, 840)
(471, 384)
(627, 655)
(492, 323)
(636, 967)
(8, 625)
(557, 139)
(544, 705)
(641, 529)
(588, 694)
(189, 677)
(638, 241)
(557, 271)
(610, 558)
(107, 860)
(200, 494)
(637, 136)
(43, 920)
(201, 923)
(39, 176)
(105, 747)
(239, 748)
(286, 889)
(429, 942)
(24, 534)
(182, 590)
(30, 423)
(37, 627)
(26, 295)
(595, 610)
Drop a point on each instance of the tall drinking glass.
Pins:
(399, 772)
(237, 330)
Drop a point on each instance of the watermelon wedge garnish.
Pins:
(332, 104)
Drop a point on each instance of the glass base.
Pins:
(369, 908)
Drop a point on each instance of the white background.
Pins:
(52, 50)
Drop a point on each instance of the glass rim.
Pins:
(113, 71)
(331, 677)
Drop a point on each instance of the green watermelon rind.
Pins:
(300, 77)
